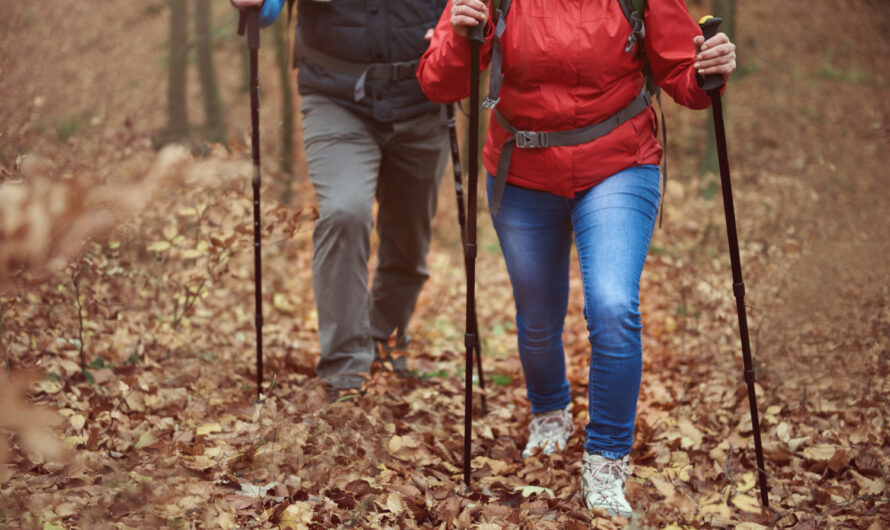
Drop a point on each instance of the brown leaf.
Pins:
(241, 502)
(839, 461)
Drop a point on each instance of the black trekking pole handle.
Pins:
(476, 33)
(249, 23)
(712, 85)
(709, 25)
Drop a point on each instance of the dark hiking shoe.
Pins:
(338, 387)
(388, 363)
(340, 395)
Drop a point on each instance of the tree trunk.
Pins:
(724, 9)
(214, 118)
(282, 57)
(177, 111)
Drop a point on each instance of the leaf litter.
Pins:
(163, 431)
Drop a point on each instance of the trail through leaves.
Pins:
(161, 428)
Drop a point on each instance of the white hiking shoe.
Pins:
(602, 484)
(549, 432)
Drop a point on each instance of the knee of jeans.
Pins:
(539, 339)
(613, 322)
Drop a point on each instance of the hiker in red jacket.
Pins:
(571, 156)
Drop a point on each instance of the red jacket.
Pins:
(565, 67)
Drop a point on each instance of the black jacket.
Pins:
(367, 31)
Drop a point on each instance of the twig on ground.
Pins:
(190, 299)
(727, 470)
(75, 279)
(3, 342)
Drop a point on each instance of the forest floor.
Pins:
(162, 429)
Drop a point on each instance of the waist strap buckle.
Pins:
(402, 70)
(531, 139)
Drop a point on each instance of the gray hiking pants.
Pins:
(352, 160)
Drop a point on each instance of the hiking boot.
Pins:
(549, 432)
(341, 385)
(388, 363)
(602, 484)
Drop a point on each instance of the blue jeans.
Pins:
(611, 225)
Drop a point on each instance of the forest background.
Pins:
(126, 292)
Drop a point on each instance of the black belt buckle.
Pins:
(402, 70)
(531, 139)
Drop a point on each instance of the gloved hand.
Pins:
(268, 12)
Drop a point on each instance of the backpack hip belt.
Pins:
(535, 140)
(395, 71)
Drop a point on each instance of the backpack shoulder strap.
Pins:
(496, 77)
(634, 11)
(628, 8)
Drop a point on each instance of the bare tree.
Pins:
(177, 110)
(282, 56)
(215, 121)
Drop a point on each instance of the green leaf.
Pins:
(710, 191)
(501, 380)
(98, 363)
(89, 376)
(655, 249)
(430, 375)
(347, 397)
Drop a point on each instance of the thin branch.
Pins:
(190, 300)
(2, 342)
(75, 278)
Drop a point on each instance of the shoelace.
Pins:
(548, 425)
(612, 468)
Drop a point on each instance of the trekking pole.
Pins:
(475, 37)
(712, 86)
(250, 21)
(462, 221)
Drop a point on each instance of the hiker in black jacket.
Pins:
(369, 133)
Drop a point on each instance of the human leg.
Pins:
(414, 155)
(343, 160)
(613, 223)
(534, 232)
